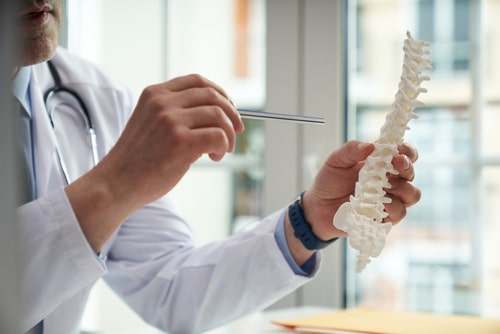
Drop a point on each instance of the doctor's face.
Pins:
(38, 22)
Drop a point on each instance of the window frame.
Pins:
(306, 61)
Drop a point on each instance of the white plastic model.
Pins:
(363, 216)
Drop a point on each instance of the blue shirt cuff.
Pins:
(308, 267)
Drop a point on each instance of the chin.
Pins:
(36, 51)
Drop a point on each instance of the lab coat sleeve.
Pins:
(57, 261)
(181, 288)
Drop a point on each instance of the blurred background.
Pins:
(340, 60)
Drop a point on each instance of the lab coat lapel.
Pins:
(48, 174)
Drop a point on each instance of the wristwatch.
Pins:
(302, 229)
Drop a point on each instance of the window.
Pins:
(449, 34)
(440, 259)
(230, 51)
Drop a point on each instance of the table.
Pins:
(261, 322)
(257, 323)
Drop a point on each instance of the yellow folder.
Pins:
(365, 320)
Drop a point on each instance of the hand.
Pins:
(336, 180)
(173, 124)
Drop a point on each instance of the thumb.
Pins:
(351, 153)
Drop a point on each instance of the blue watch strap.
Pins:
(303, 230)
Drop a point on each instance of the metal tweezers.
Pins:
(245, 113)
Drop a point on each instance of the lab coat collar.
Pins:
(20, 87)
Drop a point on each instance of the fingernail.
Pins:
(363, 145)
(407, 162)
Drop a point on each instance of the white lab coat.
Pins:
(151, 262)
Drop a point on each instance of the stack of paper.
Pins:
(364, 320)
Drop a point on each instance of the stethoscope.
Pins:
(59, 88)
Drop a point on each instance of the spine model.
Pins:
(363, 216)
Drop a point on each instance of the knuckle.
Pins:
(210, 93)
(153, 99)
(169, 121)
(196, 79)
(217, 112)
(150, 91)
(178, 137)
(156, 103)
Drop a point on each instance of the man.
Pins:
(117, 221)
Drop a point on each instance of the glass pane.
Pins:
(435, 259)
(491, 248)
(491, 116)
(461, 34)
(229, 51)
(489, 129)
(426, 20)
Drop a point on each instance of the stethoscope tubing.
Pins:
(59, 88)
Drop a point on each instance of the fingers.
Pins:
(404, 166)
(193, 102)
(350, 154)
(402, 192)
(409, 151)
(396, 210)
(213, 119)
(191, 81)
(207, 96)
(403, 162)
(194, 90)
(173, 124)
(406, 192)
(211, 140)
